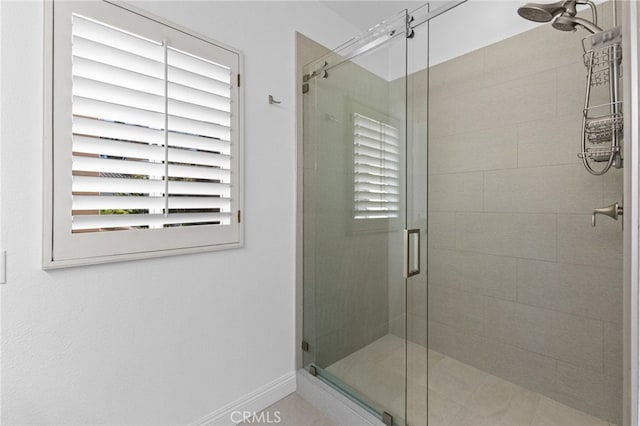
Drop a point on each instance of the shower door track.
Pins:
(437, 12)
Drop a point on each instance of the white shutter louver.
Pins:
(151, 133)
(376, 171)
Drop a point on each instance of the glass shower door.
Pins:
(358, 166)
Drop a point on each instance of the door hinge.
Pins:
(387, 418)
(305, 87)
(239, 216)
(238, 80)
(305, 346)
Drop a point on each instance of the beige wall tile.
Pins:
(613, 398)
(605, 14)
(442, 338)
(576, 340)
(442, 230)
(349, 273)
(458, 75)
(417, 329)
(442, 115)
(328, 348)
(417, 297)
(473, 272)
(416, 203)
(576, 289)
(571, 80)
(536, 203)
(531, 370)
(582, 244)
(613, 350)
(613, 187)
(491, 149)
(397, 326)
(529, 53)
(553, 189)
(417, 149)
(459, 309)
(330, 315)
(520, 235)
(550, 141)
(571, 83)
(456, 192)
(508, 103)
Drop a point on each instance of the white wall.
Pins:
(162, 341)
(1, 239)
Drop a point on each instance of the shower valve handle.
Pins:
(613, 211)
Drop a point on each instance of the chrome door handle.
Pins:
(613, 211)
(411, 252)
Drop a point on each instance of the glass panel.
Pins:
(354, 217)
(417, 219)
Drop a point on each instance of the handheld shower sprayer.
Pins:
(563, 13)
(569, 23)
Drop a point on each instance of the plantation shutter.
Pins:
(143, 137)
(151, 131)
(376, 169)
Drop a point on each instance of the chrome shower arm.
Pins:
(594, 12)
(589, 26)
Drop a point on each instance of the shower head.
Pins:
(569, 23)
(564, 12)
(543, 12)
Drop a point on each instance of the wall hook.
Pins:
(273, 101)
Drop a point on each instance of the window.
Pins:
(144, 153)
(376, 171)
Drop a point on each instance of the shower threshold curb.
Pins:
(331, 402)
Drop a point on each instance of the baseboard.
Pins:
(253, 402)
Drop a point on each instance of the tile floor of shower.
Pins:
(459, 394)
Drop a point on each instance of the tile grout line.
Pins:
(518, 280)
(604, 351)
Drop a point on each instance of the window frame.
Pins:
(61, 247)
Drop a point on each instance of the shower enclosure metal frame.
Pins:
(631, 238)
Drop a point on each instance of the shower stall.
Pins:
(450, 271)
